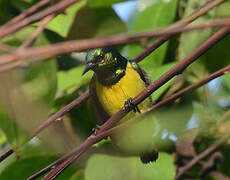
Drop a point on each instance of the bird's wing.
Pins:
(101, 115)
(141, 72)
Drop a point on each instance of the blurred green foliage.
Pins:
(29, 95)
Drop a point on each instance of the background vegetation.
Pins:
(33, 91)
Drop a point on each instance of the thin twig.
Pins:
(42, 53)
(6, 48)
(5, 154)
(73, 152)
(81, 45)
(125, 124)
(57, 8)
(191, 87)
(208, 5)
(36, 33)
(177, 69)
(110, 131)
(84, 97)
(202, 155)
(200, 11)
(25, 14)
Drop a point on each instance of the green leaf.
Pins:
(26, 167)
(6, 11)
(72, 79)
(155, 74)
(63, 22)
(218, 57)
(79, 175)
(103, 167)
(158, 15)
(98, 22)
(20, 5)
(26, 94)
(3, 139)
(190, 41)
(222, 11)
(226, 79)
(39, 81)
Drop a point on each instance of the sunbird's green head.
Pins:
(103, 59)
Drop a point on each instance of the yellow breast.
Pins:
(112, 98)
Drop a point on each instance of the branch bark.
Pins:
(5, 154)
(33, 55)
(25, 14)
(202, 155)
(177, 69)
(37, 32)
(57, 8)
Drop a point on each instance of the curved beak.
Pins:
(88, 67)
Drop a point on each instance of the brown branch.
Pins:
(43, 53)
(147, 51)
(28, 12)
(37, 32)
(57, 8)
(138, 99)
(177, 69)
(66, 47)
(202, 155)
(125, 124)
(6, 48)
(209, 4)
(138, 58)
(112, 130)
(84, 97)
(74, 151)
(5, 154)
(191, 87)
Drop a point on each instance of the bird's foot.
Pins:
(129, 105)
(96, 129)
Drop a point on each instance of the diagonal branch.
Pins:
(5, 154)
(84, 97)
(177, 69)
(33, 55)
(6, 48)
(57, 8)
(25, 14)
(201, 156)
(110, 131)
(147, 51)
(137, 58)
(45, 52)
(210, 3)
(37, 32)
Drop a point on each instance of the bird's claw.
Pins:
(95, 129)
(129, 105)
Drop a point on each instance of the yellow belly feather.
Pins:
(112, 98)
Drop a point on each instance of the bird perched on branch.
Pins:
(115, 82)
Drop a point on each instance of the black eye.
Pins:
(99, 57)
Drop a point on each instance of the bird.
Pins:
(116, 81)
